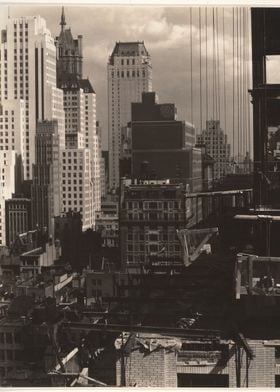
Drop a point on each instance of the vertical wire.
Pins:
(191, 55)
(218, 66)
(248, 77)
(245, 89)
(200, 68)
(233, 83)
(224, 75)
(218, 83)
(237, 85)
(224, 90)
(241, 87)
(213, 53)
(206, 61)
(244, 86)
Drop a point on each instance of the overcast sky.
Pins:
(166, 32)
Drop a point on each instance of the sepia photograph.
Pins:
(139, 195)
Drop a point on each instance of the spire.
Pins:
(62, 20)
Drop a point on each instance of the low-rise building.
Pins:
(32, 262)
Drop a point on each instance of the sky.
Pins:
(167, 33)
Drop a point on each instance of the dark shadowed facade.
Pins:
(45, 189)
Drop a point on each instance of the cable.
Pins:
(213, 52)
(191, 55)
(233, 83)
(224, 75)
(238, 84)
(248, 77)
(218, 67)
(206, 62)
(200, 68)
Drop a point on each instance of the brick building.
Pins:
(155, 363)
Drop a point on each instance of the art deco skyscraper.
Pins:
(28, 73)
(129, 74)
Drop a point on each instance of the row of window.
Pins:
(74, 153)
(70, 201)
(152, 248)
(20, 25)
(155, 216)
(158, 205)
(11, 355)
(8, 338)
(21, 39)
(128, 74)
(151, 237)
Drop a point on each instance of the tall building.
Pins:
(12, 125)
(80, 119)
(28, 73)
(69, 53)
(12, 130)
(217, 147)
(7, 187)
(163, 147)
(77, 190)
(45, 189)
(129, 74)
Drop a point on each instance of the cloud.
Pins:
(166, 32)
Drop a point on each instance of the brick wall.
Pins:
(143, 369)
(261, 370)
(159, 368)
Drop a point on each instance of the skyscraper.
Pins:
(45, 190)
(129, 74)
(80, 119)
(7, 187)
(69, 53)
(28, 72)
(217, 147)
(163, 147)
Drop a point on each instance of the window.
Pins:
(10, 355)
(9, 338)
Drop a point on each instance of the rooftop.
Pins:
(130, 49)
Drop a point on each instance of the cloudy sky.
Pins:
(166, 32)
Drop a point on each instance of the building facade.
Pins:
(45, 189)
(129, 74)
(77, 190)
(161, 146)
(18, 218)
(28, 73)
(151, 212)
(7, 187)
(80, 111)
(69, 53)
(217, 147)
